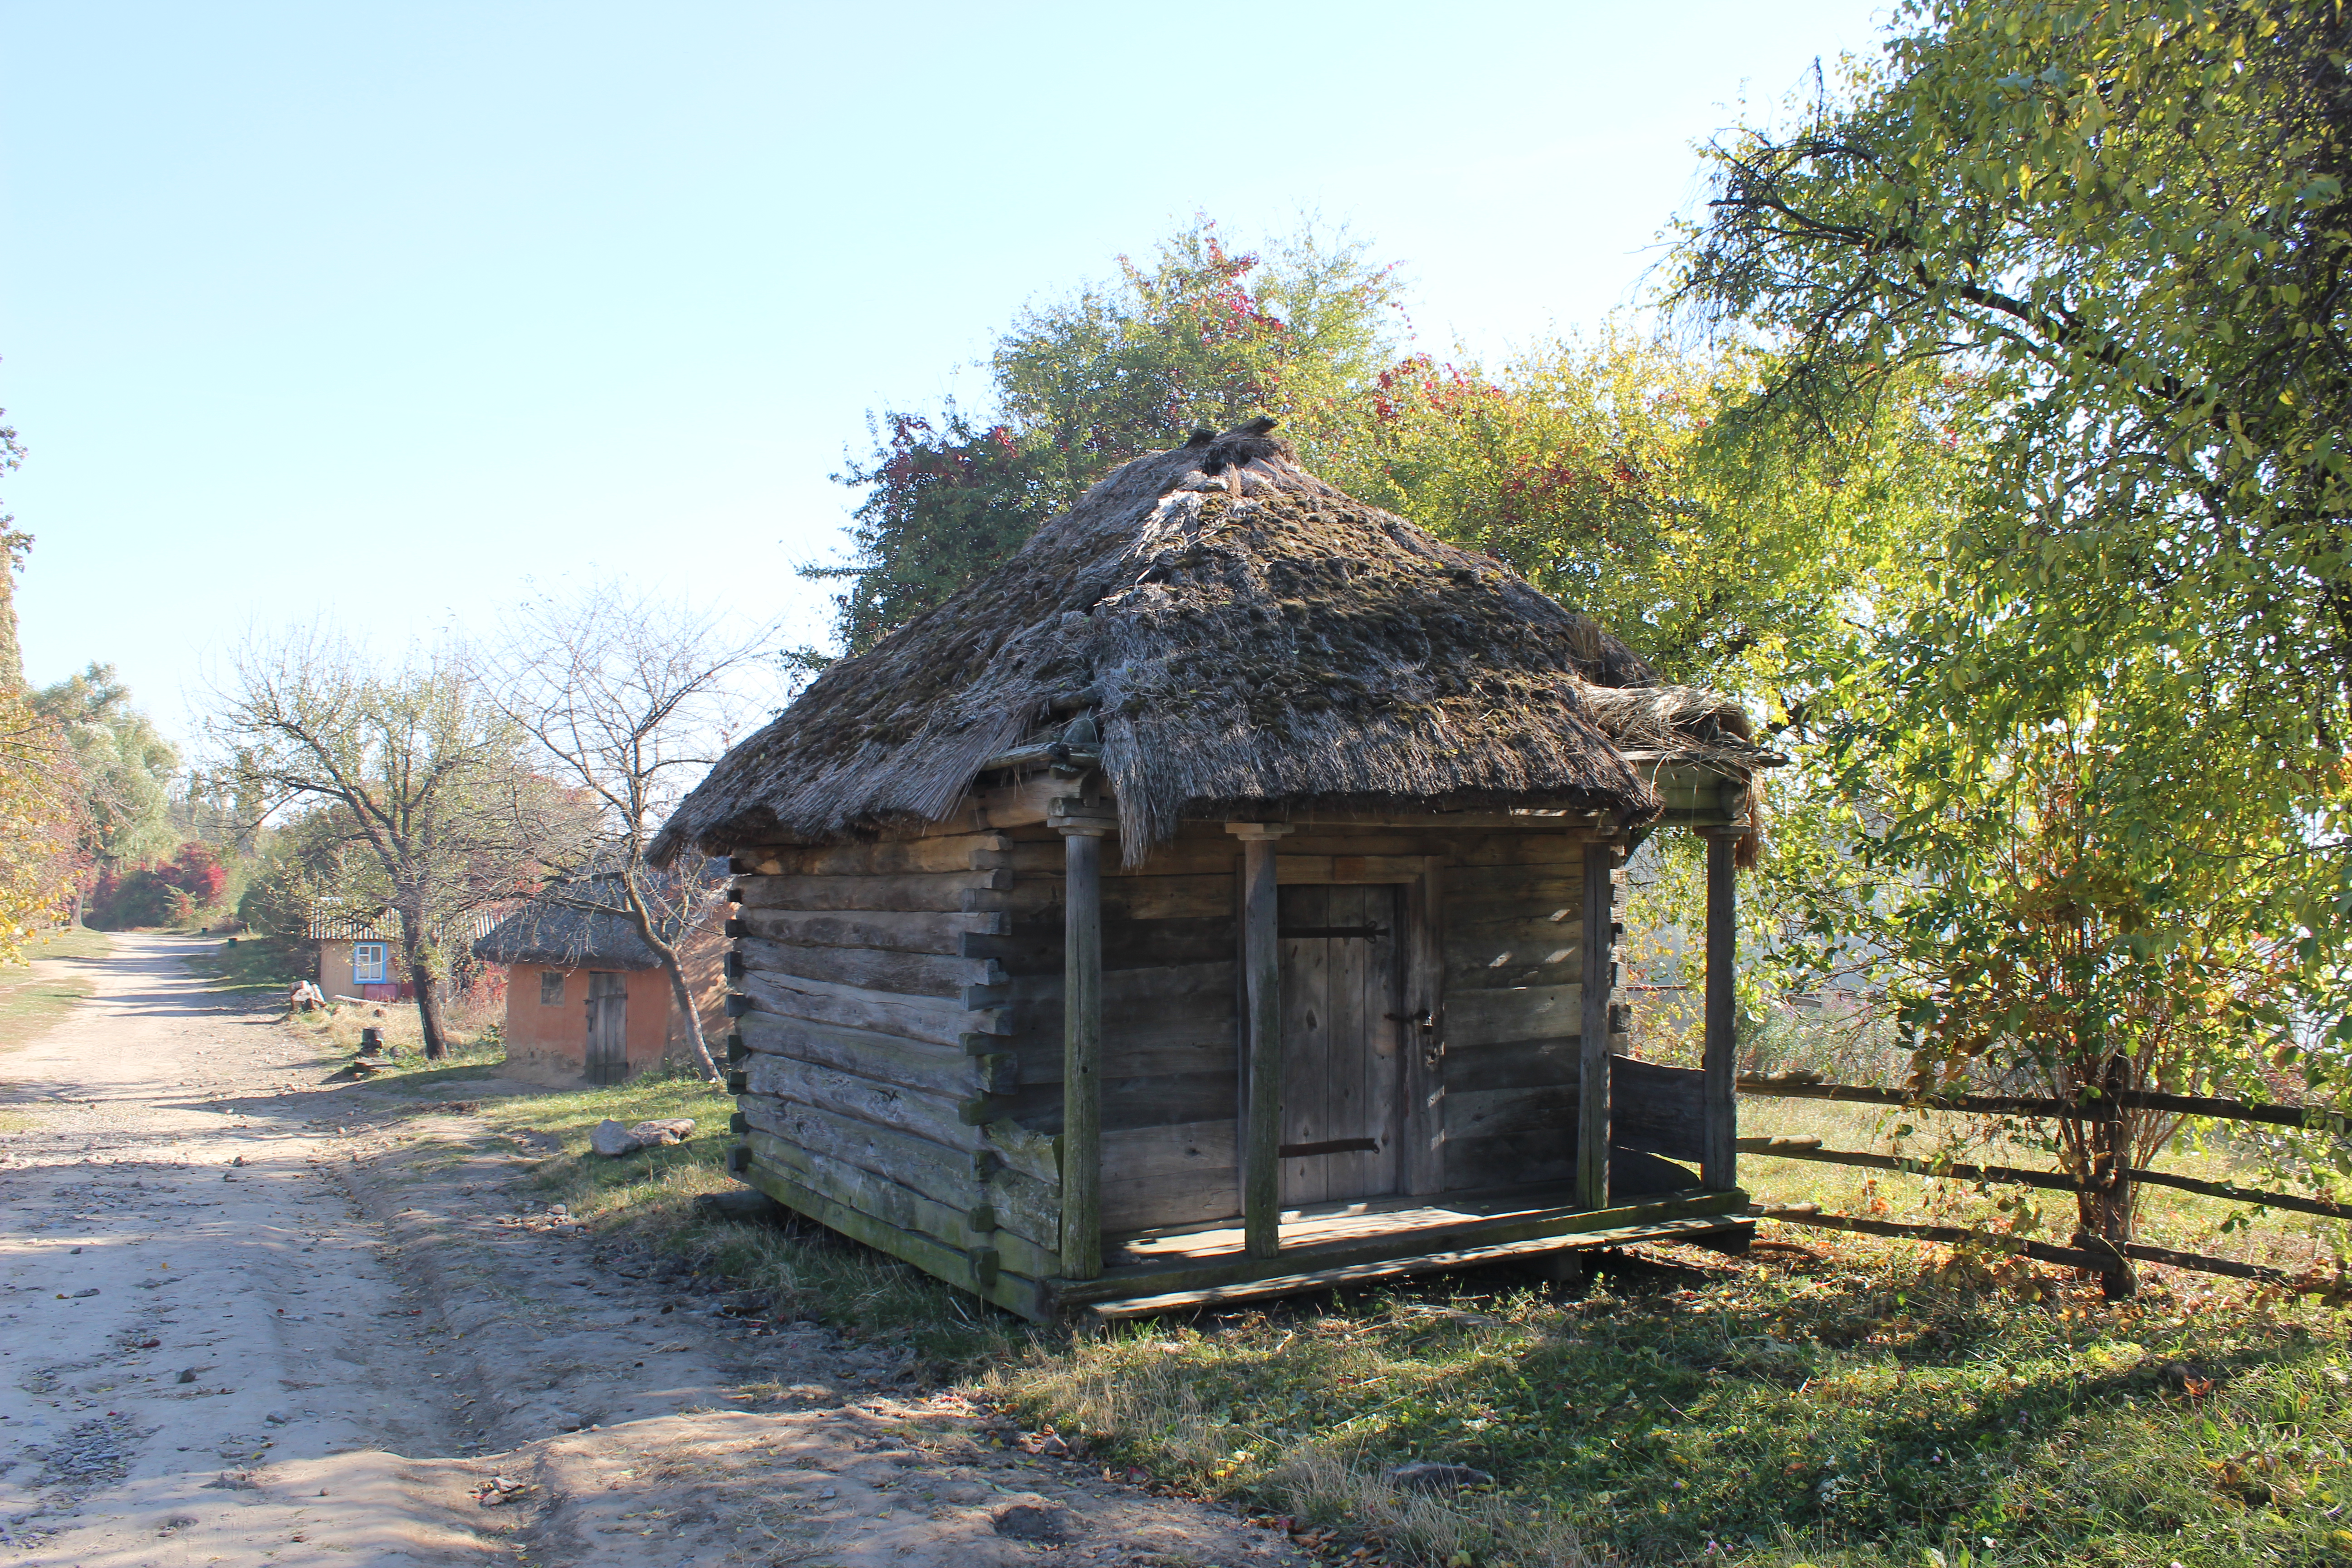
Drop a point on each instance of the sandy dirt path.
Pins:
(251, 1313)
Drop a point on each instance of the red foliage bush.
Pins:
(158, 893)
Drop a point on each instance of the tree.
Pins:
(40, 806)
(2104, 756)
(435, 811)
(14, 544)
(123, 763)
(1200, 337)
(2130, 221)
(629, 700)
(40, 821)
(1601, 473)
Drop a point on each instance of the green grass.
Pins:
(1831, 1400)
(1843, 1406)
(251, 965)
(32, 1003)
(800, 1270)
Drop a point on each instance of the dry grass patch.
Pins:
(798, 1269)
(32, 1001)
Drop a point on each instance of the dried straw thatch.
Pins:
(1248, 636)
(572, 925)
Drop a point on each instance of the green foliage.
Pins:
(2096, 771)
(40, 819)
(1200, 337)
(1204, 338)
(14, 544)
(124, 762)
(1607, 473)
(1600, 472)
(2131, 222)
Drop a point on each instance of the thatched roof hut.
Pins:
(572, 925)
(1245, 635)
(1354, 958)
(586, 995)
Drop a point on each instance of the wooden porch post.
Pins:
(1261, 1141)
(1082, 826)
(1599, 983)
(1719, 1163)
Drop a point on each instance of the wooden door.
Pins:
(608, 1026)
(1343, 1089)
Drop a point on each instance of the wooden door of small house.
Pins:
(608, 1026)
(1343, 1087)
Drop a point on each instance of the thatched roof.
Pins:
(570, 925)
(1247, 636)
(382, 925)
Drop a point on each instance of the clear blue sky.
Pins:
(373, 312)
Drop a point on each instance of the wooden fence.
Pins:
(2092, 1253)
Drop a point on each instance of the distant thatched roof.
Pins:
(1249, 636)
(382, 925)
(570, 926)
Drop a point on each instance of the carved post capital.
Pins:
(1074, 815)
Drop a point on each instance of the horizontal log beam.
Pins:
(948, 1071)
(2201, 1264)
(948, 933)
(979, 1272)
(940, 892)
(1803, 1149)
(1175, 1299)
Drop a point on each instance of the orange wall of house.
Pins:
(335, 968)
(559, 1034)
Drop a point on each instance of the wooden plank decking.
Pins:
(1341, 1243)
(1396, 1268)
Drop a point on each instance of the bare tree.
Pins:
(630, 699)
(427, 783)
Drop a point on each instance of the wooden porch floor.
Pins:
(1334, 1244)
(1320, 1224)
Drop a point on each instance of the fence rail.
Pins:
(2098, 1255)
(2070, 1257)
(2056, 1181)
(2090, 1108)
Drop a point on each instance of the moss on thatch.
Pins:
(572, 925)
(1249, 637)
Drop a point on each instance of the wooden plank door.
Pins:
(608, 1026)
(1343, 1089)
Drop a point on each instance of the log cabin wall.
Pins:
(874, 1032)
(1511, 921)
(1169, 1072)
(900, 1016)
(1513, 939)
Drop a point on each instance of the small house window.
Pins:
(368, 962)
(551, 987)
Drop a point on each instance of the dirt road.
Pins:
(250, 1312)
